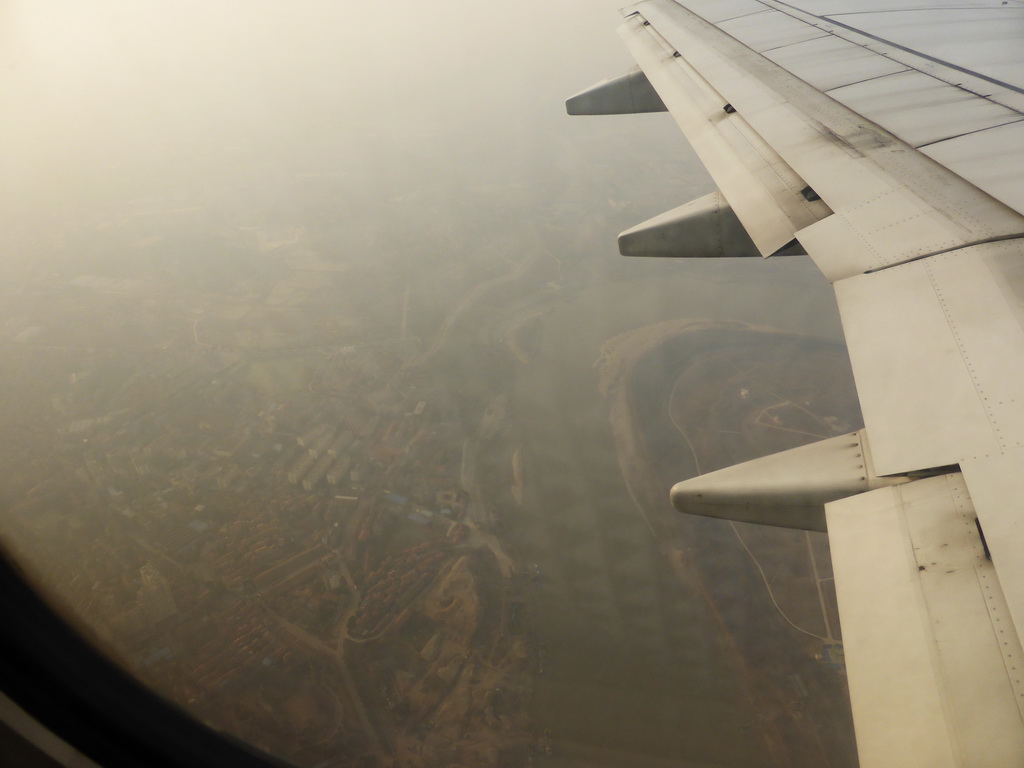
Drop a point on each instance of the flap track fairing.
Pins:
(703, 228)
(626, 94)
(787, 489)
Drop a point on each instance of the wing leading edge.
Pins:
(885, 141)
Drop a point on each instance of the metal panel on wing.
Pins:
(997, 489)
(773, 30)
(843, 7)
(985, 39)
(832, 62)
(938, 355)
(722, 10)
(921, 109)
(926, 630)
(992, 159)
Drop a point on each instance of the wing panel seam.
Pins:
(929, 268)
(972, 244)
(822, 36)
(741, 16)
(968, 133)
(932, 648)
(995, 600)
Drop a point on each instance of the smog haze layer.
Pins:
(332, 413)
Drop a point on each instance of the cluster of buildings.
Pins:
(392, 586)
(214, 666)
(245, 549)
(217, 531)
(328, 451)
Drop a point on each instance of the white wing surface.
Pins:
(886, 139)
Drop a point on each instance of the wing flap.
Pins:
(928, 640)
(938, 357)
(997, 489)
(761, 188)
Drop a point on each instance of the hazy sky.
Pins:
(128, 89)
(115, 107)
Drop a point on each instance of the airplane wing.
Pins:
(884, 138)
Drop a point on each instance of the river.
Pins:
(640, 666)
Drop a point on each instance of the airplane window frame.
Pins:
(65, 683)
